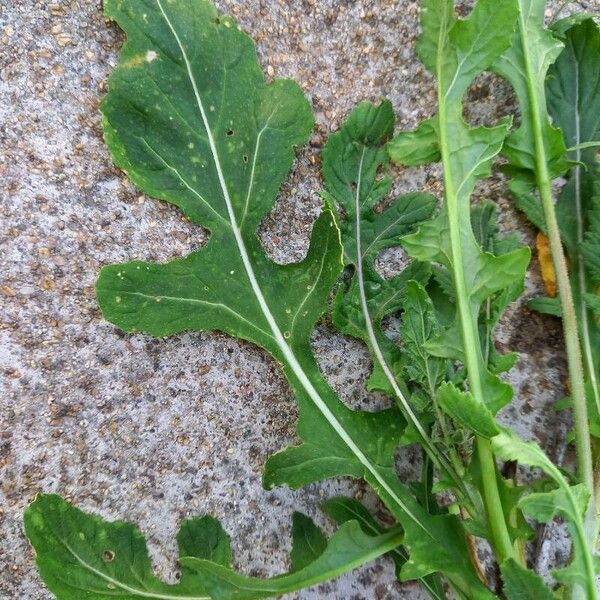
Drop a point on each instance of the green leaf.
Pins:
(418, 147)
(191, 120)
(545, 506)
(342, 510)
(81, 555)
(546, 306)
(574, 105)
(205, 538)
(590, 247)
(523, 584)
(224, 171)
(569, 502)
(571, 86)
(593, 302)
(522, 188)
(525, 65)
(353, 161)
(419, 326)
(308, 542)
(462, 407)
(484, 219)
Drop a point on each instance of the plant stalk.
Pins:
(571, 336)
(570, 327)
(438, 458)
(470, 335)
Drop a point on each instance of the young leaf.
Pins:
(419, 326)
(569, 502)
(464, 409)
(191, 120)
(352, 159)
(523, 584)
(456, 51)
(81, 555)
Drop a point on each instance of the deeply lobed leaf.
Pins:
(457, 51)
(82, 556)
(191, 120)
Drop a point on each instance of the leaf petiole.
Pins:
(569, 314)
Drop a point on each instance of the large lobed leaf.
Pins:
(191, 120)
(82, 556)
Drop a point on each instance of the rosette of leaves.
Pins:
(191, 120)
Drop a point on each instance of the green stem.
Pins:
(584, 313)
(571, 335)
(437, 457)
(471, 343)
(575, 363)
(580, 532)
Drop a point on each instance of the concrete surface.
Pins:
(157, 430)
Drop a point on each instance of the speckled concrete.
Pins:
(157, 430)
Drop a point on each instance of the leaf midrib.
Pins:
(279, 339)
(369, 322)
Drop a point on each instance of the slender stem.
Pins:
(584, 316)
(501, 541)
(438, 459)
(470, 337)
(580, 534)
(571, 336)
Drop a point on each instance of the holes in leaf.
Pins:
(108, 556)
(229, 132)
(217, 21)
(245, 158)
(488, 99)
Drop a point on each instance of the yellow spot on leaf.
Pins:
(546, 266)
(140, 59)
